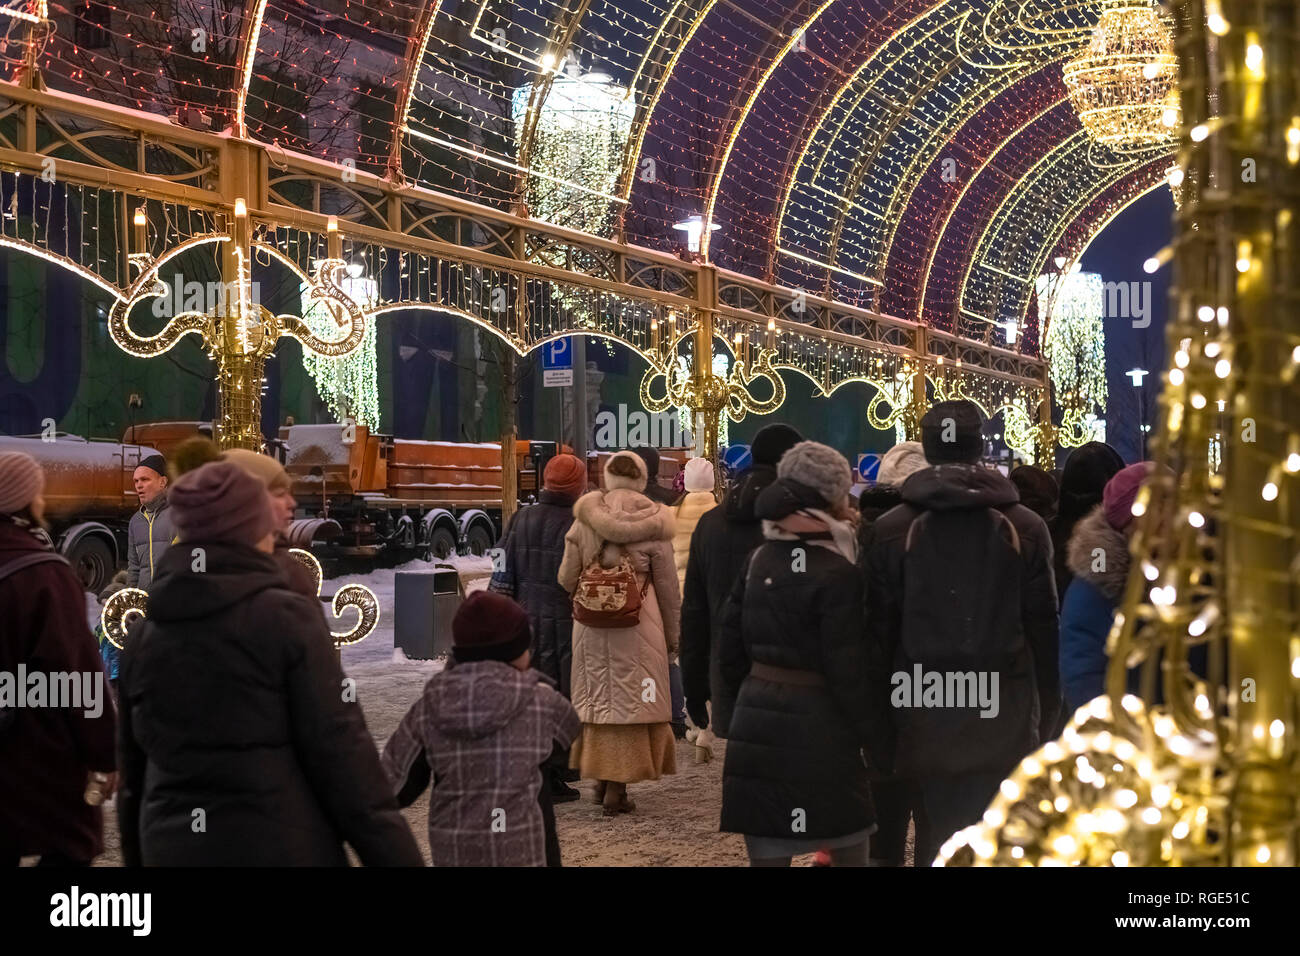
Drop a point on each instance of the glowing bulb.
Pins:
(1180, 830)
(1269, 491)
(1243, 265)
(1217, 24)
(1017, 852)
(139, 219)
(1065, 845)
(1205, 313)
(1292, 462)
(1119, 858)
(1223, 315)
(1255, 58)
(332, 224)
(1169, 117)
(1199, 132)
(1150, 71)
(1126, 798)
(1151, 265)
(1061, 803)
(1151, 816)
(1198, 400)
(1263, 855)
(1176, 176)
(1010, 789)
(1222, 368)
(1150, 571)
(1212, 349)
(1176, 376)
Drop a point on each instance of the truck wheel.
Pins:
(442, 543)
(92, 562)
(480, 539)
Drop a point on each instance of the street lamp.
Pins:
(1137, 375)
(693, 226)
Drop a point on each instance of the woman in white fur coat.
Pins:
(620, 680)
(698, 499)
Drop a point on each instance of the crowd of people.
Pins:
(875, 662)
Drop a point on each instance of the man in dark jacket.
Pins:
(653, 490)
(722, 541)
(532, 548)
(242, 743)
(150, 532)
(962, 596)
(47, 753)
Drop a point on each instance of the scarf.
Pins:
(816, 527)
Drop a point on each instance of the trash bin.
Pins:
(425, 603)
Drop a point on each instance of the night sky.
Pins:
(1117, 254)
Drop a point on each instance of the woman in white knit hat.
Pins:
(698, 499)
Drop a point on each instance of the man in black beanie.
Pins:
(720, 544)
(150, 532)
(962, 605)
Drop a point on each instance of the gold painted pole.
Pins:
(1258, 57)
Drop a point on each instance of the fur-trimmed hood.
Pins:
(618, 481)
(1094, 532)
(622, 516)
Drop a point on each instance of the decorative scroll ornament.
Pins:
(239, 334)
(708, 391)
(350, 595)
(122, 609)
(1124, 85)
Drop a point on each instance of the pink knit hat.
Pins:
(1120, 493)
(21, 480)
(221, 502)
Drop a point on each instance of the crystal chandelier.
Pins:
(1124, 85)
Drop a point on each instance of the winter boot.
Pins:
(704, 746)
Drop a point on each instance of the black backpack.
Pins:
(961, 612)
(961, 589)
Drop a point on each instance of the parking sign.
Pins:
(557, 363)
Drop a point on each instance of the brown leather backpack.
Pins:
(608, 597)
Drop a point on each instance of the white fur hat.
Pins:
(900, 461)
(699, 475)
(619, 481)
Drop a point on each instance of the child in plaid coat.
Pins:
(480, 732)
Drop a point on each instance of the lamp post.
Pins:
(1138, 375)
(693, 226)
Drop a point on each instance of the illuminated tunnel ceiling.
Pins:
(915, 157)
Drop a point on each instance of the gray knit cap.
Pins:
(818, 466)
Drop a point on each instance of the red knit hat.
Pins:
(1120, 493)
(21, 480)
(489, 627)
(565, 475)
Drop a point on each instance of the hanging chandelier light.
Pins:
(1124, 84)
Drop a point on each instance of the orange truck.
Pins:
(363, 493)
(359, 494)
(89, 497)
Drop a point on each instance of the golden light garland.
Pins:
(122, 609)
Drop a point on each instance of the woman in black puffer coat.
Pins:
(808, 695)
(240, 745)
